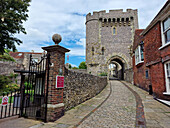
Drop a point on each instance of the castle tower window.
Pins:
(105, 20)
(123, 19)
(131, 18)
(102, 50)
(114, 19)
(100, 19)
(127, 19)
(109, 20)
(92, 50)
(114, 31)
(118, 19)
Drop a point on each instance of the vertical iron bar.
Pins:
(22, 92)
(14, 103)
(2, 107)
(17, 103)
(6, 107)
(10, 105)
(48, 68)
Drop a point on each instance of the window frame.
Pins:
(114, 27)
(138, 54)
(103, 50)
(146, 73)
(92, 51)
(164, 43)
(167, 80)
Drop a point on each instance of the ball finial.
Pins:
(56, 38)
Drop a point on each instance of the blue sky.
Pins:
(67, 18)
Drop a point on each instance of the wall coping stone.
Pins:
(55, 48)
(55, 105)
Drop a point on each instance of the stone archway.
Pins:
(116, 67)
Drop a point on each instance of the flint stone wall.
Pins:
(80, 87)
(7, 67)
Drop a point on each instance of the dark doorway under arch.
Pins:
(116, 69)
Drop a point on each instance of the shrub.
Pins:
(4, 80)
(103, 74)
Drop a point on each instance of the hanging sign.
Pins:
(4, 101)
(59, 81)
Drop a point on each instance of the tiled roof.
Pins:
(20, 55)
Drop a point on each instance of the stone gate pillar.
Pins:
(55, 106)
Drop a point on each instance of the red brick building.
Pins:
(151, 60)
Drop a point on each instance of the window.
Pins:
(114, 31)
(167, 76)
(147, 74)
(166, 31)
(102, 50)
(35, 60)
(139, 53)
(20, 54)
(92, 50)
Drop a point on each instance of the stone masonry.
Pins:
(80, 87)
(108, 37)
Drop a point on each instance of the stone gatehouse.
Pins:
(109, 38)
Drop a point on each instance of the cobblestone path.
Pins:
(118, 111)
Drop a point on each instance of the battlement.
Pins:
(118, 13)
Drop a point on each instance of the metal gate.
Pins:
(34, 93)
(30, 100)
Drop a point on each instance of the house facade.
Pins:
(24, 57)
(151, 58)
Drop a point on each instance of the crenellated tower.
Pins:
(109, 37)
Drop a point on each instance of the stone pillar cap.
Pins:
(55, 48)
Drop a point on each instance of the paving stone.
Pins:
(118, 111)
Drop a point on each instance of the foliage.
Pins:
(75, 68)
(28, 85)
(13, 75)
(82, 65)
(12, 15)
(6, 84)
(69, 66)
(103, 74)
(4, 80)
(6, 56)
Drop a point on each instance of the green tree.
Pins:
(82, 65)
(69, 66)
(75, 68)
(6, 56)
(12, 15)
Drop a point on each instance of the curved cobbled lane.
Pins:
(118, 111)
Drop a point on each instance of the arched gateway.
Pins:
(108, 39)
(116, 67)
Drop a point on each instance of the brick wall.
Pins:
(153, 62)
(80, 87)
(154, 58)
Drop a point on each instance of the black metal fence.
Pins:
(9, 104)
(31, 99)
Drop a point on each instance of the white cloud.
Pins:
(73, 65)
(76, 52)
(67, 18)
(82, 42)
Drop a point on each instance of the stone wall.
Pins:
(7, 67)
(128, 75)
(80, 87)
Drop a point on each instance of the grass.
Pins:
(31, 92)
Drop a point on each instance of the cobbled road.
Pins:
(118, 111)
